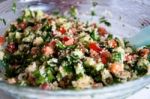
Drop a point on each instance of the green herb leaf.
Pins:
(14, 6)
(148, 46)
(56, 12)
(93, 13)
(94, 36)
(73, 11)
(103, 20)
(60, 45)
(2, 63)
(116, 56)
(94, 3)
(50, 74)
(68, 69)
(110, 36)
(3, 20)
(39, 78)
(71, 47)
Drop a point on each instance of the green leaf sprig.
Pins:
(14, 6)
(103, 20)
(3, 21)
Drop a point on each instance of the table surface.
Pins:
(83, 4)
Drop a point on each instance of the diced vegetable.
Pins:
(95, 36)
(69, 42)
(60, 45)
(62, 30)
(47, 50)
(116, 68)
(112, 43)
(2, 40)
(105, 57)
(95, 47)
(102, 31)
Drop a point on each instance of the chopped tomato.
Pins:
(52, 43)
(95, 47)
(34, 51)
(23, 25)
(130, 57)
(47, 50)
(102, 31)
(144, 52)
(112, 43)
(116, 68)
(45, 86)
(69, 42)
(104, 60)
(62, 30)
(105, 56)
(2, 40)
(65, 38)
(11, 48)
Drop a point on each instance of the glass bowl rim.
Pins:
(128, 85)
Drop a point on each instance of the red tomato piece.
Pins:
(34, 51)
(95, 47)
(104, 56)
(2, 40)
(130, 57)
(116, 68)
(144, 52)
(52, 43)
(11, 48)
(102, 31)
(65, 38)
(69, 42)
(23, 25)
(45, 86)
(62, 30)
(112, 43)
(47, 50)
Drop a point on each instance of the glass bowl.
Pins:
(119, 91)
(127, 17)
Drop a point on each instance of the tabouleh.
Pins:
(56, 52)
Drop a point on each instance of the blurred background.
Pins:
(134, 12)
(128, 15)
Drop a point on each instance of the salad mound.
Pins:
(56, 52)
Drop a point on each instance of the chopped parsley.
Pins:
(103, 20)
(73, 12)
(3, 21)
(14, 6)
